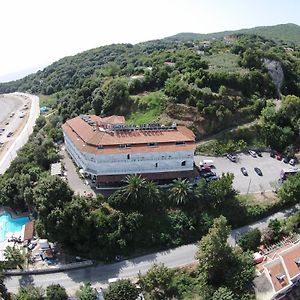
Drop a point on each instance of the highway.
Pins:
(98, 275)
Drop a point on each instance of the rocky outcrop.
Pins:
(275, 70)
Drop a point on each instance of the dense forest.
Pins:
(206, 85)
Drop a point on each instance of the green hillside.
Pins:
(206, 86)
(289, 33)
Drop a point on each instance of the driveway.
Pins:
(76, 182)
(99, 275)
(252, 183)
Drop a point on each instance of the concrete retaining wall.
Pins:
(51, 269)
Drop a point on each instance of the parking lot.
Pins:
(252, 183)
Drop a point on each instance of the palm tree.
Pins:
(14, 257)
(152, 192)
(134, 191)
(181, 191)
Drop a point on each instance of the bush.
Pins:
(122, 289)
(250, 240)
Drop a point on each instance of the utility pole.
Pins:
(249, 186)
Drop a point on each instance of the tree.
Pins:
(3, 289)
(178, 89)
(86, 292)
(223, 266)
(293, 223)
(30, 292)
(250, 240)
(180, 192)
(56, 292)
(14, 257)
(290, 190)
(157, 282)
(117, 95)
(97, 102)
(223, 293)
(51, 195)
(122, 289)
(132, 196)
(214, 254)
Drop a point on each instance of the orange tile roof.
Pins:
(289, 256)
(274, 268)
(86, 138)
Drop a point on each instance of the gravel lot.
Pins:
(252, 183)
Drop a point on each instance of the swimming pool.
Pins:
(9, 224)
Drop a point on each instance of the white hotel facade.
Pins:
(107, 149)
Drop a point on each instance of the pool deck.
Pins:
(25, 234)
(13, 214)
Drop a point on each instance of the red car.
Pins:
(278, 156)
(205, 168)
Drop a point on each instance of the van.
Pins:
(207, 162)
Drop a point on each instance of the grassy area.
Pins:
(47, 100)
(224, 62)
(256, 199)
(149, 108)
(236, 139)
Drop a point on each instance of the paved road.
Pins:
(23, 136)
(252, 183)
(100, 274)
(75, 182)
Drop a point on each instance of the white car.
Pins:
(252, 153)
(292, 162)
(231, 157)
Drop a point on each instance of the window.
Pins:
(100, 147)
(183, 163)
(128, 156)
(152, 144)
(156, 165)
(180, 143)
(125, 145)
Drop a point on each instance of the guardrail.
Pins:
(52, 269)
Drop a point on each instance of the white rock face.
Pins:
(275, 70)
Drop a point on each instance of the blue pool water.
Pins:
(9, 224)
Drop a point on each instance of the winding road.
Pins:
(98, 275)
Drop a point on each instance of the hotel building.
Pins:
(108, 149)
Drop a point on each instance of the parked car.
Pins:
(208, 174)
(292, 162)
(2, 129)
(272, 153)
(252, 153)
(7, 123)
(12, 114)
(285, 160)
(212, 178)
(207, 162)
(10, 134)
(205, 168)
(258, 171)
(231, 157)
(244, 171)
(278, 156)
(258, 153)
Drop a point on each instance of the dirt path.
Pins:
(225, 131)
